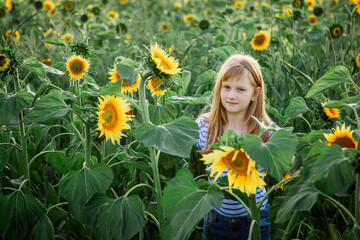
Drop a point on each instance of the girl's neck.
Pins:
(236, 123)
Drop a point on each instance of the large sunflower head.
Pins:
(298, 3)
(312, 19)
(342, 137)
(164, 63)
(331, 112)
(336, 30)
(8, 62)
(112, 117)
(49, 5)
(242, 172)
(357, 60)
(311, 4)
(154, 85)
(77, 66)
(114, 77)
(260, 41)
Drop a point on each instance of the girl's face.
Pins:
(237, 93)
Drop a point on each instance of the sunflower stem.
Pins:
(290, 226)
(23, 142)
(154, 159)
(357, 198)
(255, 216)
(87, 143)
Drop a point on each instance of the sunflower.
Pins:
(9, 5)
(154, 85)
(242, 172)
(114, 77)
(334, 1)
(260, 41)
(204, 24)
(47, 62)
(165, 27)
(69, 6)
(311, 4)
(177, 6)
(16, 35)
(128, 36)
(112, 117)
(67, 37)
(2, 12)
(318, 11)
(336, 30)
(238, 4)
(285, 176)
(312, 19)
(113, 14)
(298, 3)
(171, 50)
(188, 17)
(342, 137)
(49, 5)
(123, 1)
(77, 66)
(357, 60)
(331, 112)
(165, 63)
(4, 62)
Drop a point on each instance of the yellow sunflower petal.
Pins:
(77, 66)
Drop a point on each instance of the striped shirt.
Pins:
(229, 207)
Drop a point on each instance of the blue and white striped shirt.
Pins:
(229, 207)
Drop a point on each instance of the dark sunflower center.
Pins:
(337, 31)
(69, 6)
(77, 67)
(239, 165)
(345, 142)
(259, 40)
(2, 61)
(333, 111)
(157, 82)
(297, 3)
(125, 83)
(108, 116)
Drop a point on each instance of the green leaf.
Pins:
(301, 197)
(205, 78)
(175, 138)
(43, 228)
(77, 187)
(56, 41)
(33, 65)
(224, 52)
(190, 100)
(49, 106)
(314, 136)
(129, 70)
(271, 127)
(332, 78)
(185, 205)
(112, 88)
(21, 211)
(347, 102)
(93, 208)
(59, 161)
(274, 111)
(161, 114)
(275, 155)
(12, 104)
(4, 158)
(332, 172)
(186, 78)
(296, 108)
(52, 70)
(120, 219)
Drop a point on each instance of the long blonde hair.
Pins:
(236, 66)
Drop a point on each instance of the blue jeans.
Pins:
(219, 227)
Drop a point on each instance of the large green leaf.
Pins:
(59, 161)
(332, 78)
(190, 100)
(33, 65)
(49, 106)
(331, 172)
(56, 41)
(296, 108)
(77, 187)
(175, 138)
(160, 114)
(275, 155)
(185, 205)
(346, 102)
(43, 229)
(186, 78)
(4, 158)
(129, 70)
(120, 219)
(112, 88)
(205, 78)
(19, 213)
(52, 70)
(12, 104)
(301, 197)
(224, 52)
(93, 208)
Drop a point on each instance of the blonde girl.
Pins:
(238, 94)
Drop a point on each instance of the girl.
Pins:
(238, 95)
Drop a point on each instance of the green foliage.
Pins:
(129, 70)
(12, 104)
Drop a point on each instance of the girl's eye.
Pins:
(241, 89)
(226, 87)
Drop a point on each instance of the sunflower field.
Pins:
(98, 102)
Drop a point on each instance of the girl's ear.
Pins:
(256, 94)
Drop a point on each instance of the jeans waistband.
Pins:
(215, 216)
